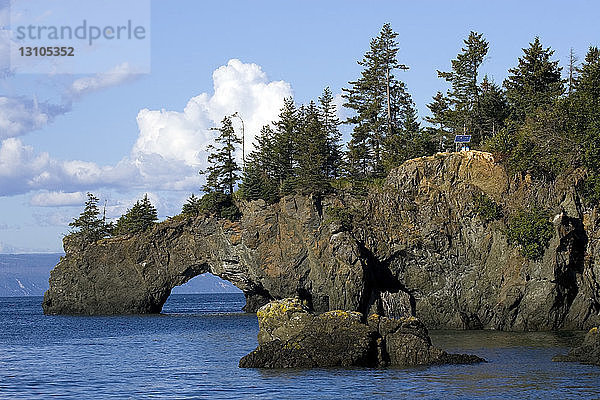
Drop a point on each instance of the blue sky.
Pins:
(121, 134)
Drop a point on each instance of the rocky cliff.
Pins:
(414, 245)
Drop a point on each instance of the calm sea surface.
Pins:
(193, 349)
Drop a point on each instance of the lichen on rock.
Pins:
(290, 336)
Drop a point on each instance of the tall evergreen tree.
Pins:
(440, 131)
(284, 145)
(586, 103)
(330, 125)
(223, 171)
(493, 108)
(90, 225)
(464, 94)
(260, 176)
(313, 152)
(535, 82)
(379, 100)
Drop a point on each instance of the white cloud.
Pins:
(58, 199)
(119, 74)
(19, 115)
(183, 136)
(170, 148)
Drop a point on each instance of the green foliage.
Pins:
(531, 231)
(192, 207)
(90, 227)
(486, 208)
(222, 173)
(464, 97)
(220, 205)
(383, 108)
(137, 219)
(536, 82)
(312, 157)
(342, 215)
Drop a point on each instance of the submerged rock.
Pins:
(588, 352)
(290, 336)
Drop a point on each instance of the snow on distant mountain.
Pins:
(26, 274)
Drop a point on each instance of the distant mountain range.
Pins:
(28, 274)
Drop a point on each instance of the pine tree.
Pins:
(330, 124)
(535, 82)
(379, 100)
(222, 173)
(464, 95)
(586, 106)
(493, 108)
(138, 218)
(259, 180)
(91, 227)
(313, 154)
(284, 146)
(440, 116)
(192, 206)
(408, 140)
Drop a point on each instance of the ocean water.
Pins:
(192, 351)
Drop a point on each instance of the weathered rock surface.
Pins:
(292, 337)
(588, 352)
(415, 246)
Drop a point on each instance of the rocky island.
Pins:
(420, 242)
(290, 336)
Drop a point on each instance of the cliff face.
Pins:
(414, 246)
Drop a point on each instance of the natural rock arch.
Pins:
(414, 245)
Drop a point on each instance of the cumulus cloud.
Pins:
(170, 148)
(183, 136)
(57, 199)
(119, 74)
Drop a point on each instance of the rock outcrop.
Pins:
(414, 246)
(292, 337)
(588, 352)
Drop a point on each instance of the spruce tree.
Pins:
(586, 121)
(535, 82)
(260, 176)
(330, 125)
(493, 108)
(223, 171)
(379, 101)
(440, 131)
(464, 94)
(138, 218)
(90, 226)
(192, 206)
(284, 145)
(313, 152)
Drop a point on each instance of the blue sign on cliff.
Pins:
(462, 138)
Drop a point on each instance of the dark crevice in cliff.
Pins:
(383, 293)
(570, 255)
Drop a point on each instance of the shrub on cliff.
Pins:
(138, 218)
(221, 205)
(486, 208)
(531, 231)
